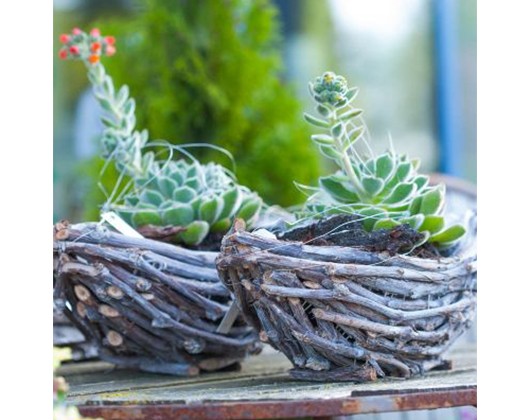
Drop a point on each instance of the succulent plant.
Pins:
(200, 198)
(203, 198)
(386, 190)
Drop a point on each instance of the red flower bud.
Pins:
(96, 46)
(110, 40)
(64, 38)
(74, 49)
(110, 50)
(63, 54)
(93, 59)
(77, 31)
(95, 33)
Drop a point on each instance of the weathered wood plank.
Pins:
(261, 379)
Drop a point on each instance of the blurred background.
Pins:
(234, 73)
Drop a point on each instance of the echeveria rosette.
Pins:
(204, 198)
(386, 190)
(199, 198)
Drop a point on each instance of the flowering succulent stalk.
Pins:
(385, 190)
(120, 139)
(199, 198)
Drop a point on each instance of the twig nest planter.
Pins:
(341, 313)
(146, 304)
(66, 334)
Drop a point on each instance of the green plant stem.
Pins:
(128, 141)
(346, 162)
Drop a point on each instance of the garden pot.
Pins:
(341, 313)
(146, 304)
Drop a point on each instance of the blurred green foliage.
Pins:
(208, 71)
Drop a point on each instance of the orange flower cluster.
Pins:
(87, 47)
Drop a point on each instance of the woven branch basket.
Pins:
(340, 313)
(147, 305)
(66, 334)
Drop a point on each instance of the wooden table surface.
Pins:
(261, 389)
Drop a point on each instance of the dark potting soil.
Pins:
(348, 230)
(212, 242)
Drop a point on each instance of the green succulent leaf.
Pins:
(433, 223)
(337, 130)
(352, 113)
(432, 201)
(370, 166)
(400, 193)
(355, 133)
(130, 106)
(231, 202)
(105, 104)
(249, 208)
(322, 139)
(109, 122)
(177, 177)
(166, 205)
(152, 197)
(131, 200)
(384, 166)
(184, 194)
(108, 86)
(122, 96)
(415, 205)
(178, 215)
(323, 110)
(421, 181)
(148, 163)
(166, 186)
(372, 185)
(193, 183)
(210, 209)
(316, 121)
(146, 217)
(385, 224)
(192, 171)
(449, 235)
(330, 152)
(195, 205)
(352, 93)
(146, 206)
(404, 171)
(144, 137)
(336, 189)
(195, 233)
(222, 225)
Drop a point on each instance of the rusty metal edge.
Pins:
(286, 409)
